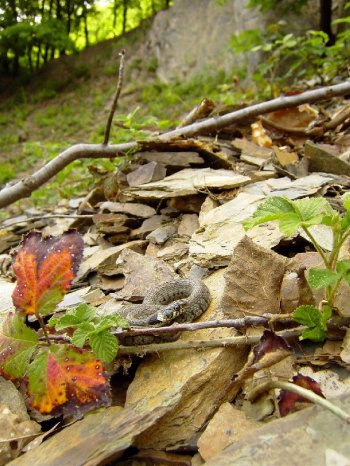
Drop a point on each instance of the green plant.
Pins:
(56, 376)
(304, 214)
(287, 58)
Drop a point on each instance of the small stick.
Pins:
(116, 97)
(307, 394)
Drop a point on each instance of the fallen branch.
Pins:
(242, 323)
(202, 344)
(26, 186)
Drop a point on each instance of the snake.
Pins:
(181, 300)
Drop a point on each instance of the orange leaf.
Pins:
(45, 269)
(67, 379)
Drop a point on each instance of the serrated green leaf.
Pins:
(314, 334)
(104, 345)
(272, 208)
(310, 208)
(74, 317)
(81, 334)
(289, 224)
(345, 222)
(115, 320)
(307, 315)
(321, 278)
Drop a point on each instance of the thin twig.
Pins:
(242, 323)
(203, 344)
(25, 187)
(305, 393)
(116, 97)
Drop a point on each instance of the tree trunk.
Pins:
(86, 30)
(326, 20)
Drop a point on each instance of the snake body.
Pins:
(179, 301)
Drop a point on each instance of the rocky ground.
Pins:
(176, 210)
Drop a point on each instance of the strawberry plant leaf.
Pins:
(316, 334)
(45, 269)
(272, 208)
(73, 318)
(321, 278)
(81, 334)
(104, 345)
(346, 202)
(17, 345)
(307, 315)
(65, 379)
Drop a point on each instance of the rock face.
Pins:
(195, 35)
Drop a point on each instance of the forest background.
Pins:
(59, 64)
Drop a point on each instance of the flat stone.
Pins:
(227, 426)
(189, 181)
(221, 230)
(188, 225)
(172, 159)
(200, 380)
(141, 274)
(152, 171)
(175, 251)
(162, 234)
(309, 437)
(131, 208)
(103, 259)
(323, 159)
(293, 189)
(149, 225)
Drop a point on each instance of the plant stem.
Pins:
(308, 394)
(316, 246)
(42, 325)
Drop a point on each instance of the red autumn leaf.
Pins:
(45, 269)
(66, 379)
(288, 400)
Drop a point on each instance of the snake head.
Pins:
(170, 312)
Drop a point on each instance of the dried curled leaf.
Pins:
(45, 269)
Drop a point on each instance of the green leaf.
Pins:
(104, 345)
(73, 318)
(17, 344)
(307, 315)
(346, 202)
(81, 334)
(311, 210)
(314, 334)
(343, 266)
(272, 208)
(321, 278)
(115, 320)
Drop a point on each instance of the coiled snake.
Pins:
(179, 300)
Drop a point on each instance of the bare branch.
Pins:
(116, 97)
(242, 323)
(203, 344)
(26, 186)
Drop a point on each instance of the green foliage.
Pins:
(314, 319)
(303, 214)
(288, 58)
(91, 329)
